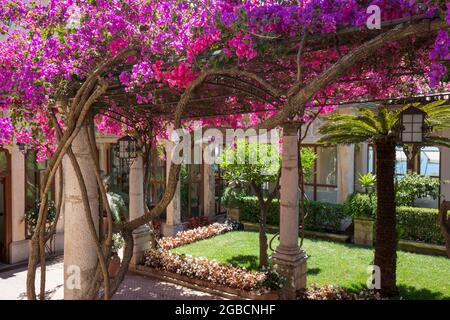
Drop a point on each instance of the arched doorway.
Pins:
(5, 205)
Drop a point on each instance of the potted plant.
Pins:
(362, 207)
(114, 263)
(31, 216)
(230, 199)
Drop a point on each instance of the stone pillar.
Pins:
(19, 246)
(103, 157)
(141, 235)
(209, 192)
(445, 168)
(289, 260)
(80, 257)
(173, 211)
(346, 171)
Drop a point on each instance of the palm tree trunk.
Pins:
(263, 257)
(386, 239)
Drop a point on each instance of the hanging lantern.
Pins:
(412, 125)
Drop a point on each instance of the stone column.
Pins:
(346, 171)
(445, 168)
(289, 260)
(142, 234)
(209, 192)
(173, 211)
(103, 157)
(80, 257)
(19, 246)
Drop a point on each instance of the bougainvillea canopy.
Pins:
(49, 48)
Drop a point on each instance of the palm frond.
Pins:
(430, 107)
(383, 120)
(344, 138)
(438, 141)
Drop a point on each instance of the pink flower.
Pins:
(6, 131)
(117, 45)
(243, 46)
(181, 76)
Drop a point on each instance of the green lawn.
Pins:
(418, 276)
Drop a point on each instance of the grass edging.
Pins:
(422, 248)
(248, 226)
(405, 245)
(204, 286)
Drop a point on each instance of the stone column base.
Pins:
(19, 251)
(168, 230)
(291, 264)
(142, 242)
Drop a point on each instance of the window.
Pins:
(191, 191)
(321, 183)
(430, 162)
(426, 163)
(118, 172)
(219, 188)
(401, 161)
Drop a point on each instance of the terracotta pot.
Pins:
(114, 266)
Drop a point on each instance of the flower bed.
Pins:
(189, 236)
(330, 292)
(204, 269)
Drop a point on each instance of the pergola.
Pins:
(263, 85)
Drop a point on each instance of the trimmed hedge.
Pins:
(321, 216)
(417, 224)
(420, 224)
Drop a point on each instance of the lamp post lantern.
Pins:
(412, 131)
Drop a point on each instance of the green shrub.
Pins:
(359, 205)
(32, 215)
(320, 216)
(413, 186)
(420, 224)
(230, 197)
(117, 243)
(249, 210)
(323, 216)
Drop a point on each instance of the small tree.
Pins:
(255, 164)
(258, 164)
(380, 129)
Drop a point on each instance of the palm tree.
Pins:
(381, 129)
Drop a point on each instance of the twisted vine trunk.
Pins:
(386, 237)
(263, 246)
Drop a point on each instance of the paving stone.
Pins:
(134, 287)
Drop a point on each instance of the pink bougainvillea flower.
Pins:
(117, 45)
